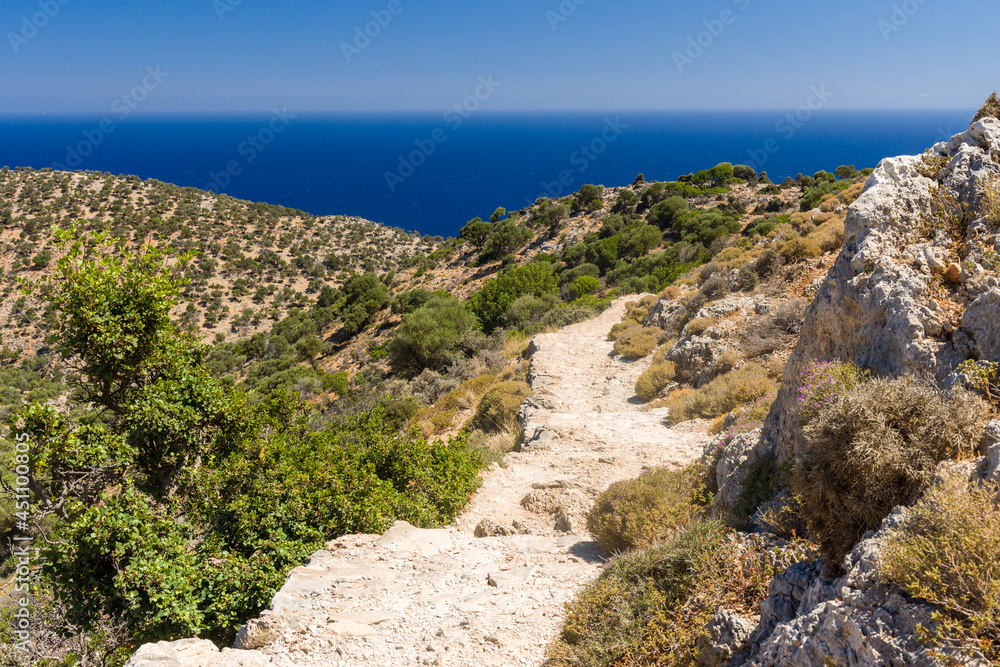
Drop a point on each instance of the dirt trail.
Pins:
(447, 597)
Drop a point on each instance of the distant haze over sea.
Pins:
(433, 172)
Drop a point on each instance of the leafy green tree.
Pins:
(497, 214)
(431, 336)
(553, 217)
(845, 171)
(476, 232)
(365, 295)
(745, 172)
(506, 238)
(588, 198)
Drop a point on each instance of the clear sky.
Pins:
(63, 56)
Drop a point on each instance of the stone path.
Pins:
(448, 596)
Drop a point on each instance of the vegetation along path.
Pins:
(489, 590)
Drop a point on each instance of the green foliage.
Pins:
(812, 195)
(724, 393)
(410, 300)
(666, 213)
(476, 232)
(637, 240)
(128, 560)
(640, 512)
(506, 238)
(584, 285)
(876, 447)
(552, 216)
(705, 225)
(365, 296)
(946, 552)
(432, 336)
(497, 295)
(984, 377)
(499, 406)
(588, 198)
(718, 175)
(654, 380)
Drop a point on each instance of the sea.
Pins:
(432, 172)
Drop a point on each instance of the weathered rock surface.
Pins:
(879, 305)
(481, 592)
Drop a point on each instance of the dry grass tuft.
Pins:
(946, 552)
(637, 343)
(724, 393)
(656, 379)
(700, 325)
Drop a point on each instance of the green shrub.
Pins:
(500, 405)
(637, 343)
(655, 380)
(738, 386)
(946, 552)
(584, 285)
(365, 296)
(877, 447)
(640, 512)
(497, 295)
(432, 336)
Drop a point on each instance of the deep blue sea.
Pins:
(433, 172)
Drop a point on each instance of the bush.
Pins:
(637, 343)
(500, 405)
(738, 386)
(365, 296)
(584, 285)
(650, 607)
(946, 552)
(655, 380)
(798, 249)
(991, 109)
(431, 337)
(506, 238)
(621, 328)
(700, 325)
(875, 448)
(638, 513)
(497, 295)
(822, 383)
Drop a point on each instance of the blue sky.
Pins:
(62, 56)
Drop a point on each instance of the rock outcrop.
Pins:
(886, 303)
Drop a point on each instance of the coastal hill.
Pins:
(469, 401)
